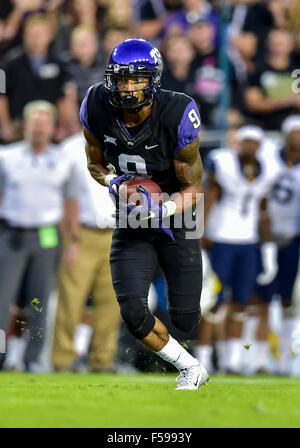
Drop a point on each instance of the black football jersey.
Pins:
(147, 150)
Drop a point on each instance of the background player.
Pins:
(234, 197)
(284, 211)
(139, 129)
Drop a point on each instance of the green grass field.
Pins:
(146, 400)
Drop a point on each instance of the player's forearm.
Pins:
(189, 172)
(264, 224)
(95, 165)
(187, 197)
(99, 173)
(265, 230)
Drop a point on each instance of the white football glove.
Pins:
(112, 174)
(269, 262)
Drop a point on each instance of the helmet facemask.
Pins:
(125, 99)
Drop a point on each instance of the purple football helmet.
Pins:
(134, 58)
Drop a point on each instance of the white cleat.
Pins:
(192, 378)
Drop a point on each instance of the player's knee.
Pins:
(137, 317)
(185, 322)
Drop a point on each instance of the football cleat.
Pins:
(192, 378)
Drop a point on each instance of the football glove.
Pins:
(269, 262)
(115, 184)
(150, 209)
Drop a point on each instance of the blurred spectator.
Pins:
(84, 12)
(241, 46)
(111, 39)
(9, 24)
(269, 97)
(89, 273)
(86, 63)
(37, 183)
(179, 55)
(34, 74)
(261, 18)
(77, 12)
(209, 78)
(153, 15)
(119, 15)
(192, 67)
(251, 41)
(294, 24)
(191, 12)
(14, 13)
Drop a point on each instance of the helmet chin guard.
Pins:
(134, 58)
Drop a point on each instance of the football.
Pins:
(128, 190)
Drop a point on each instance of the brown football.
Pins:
(128, 190)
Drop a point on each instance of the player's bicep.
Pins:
(93, 148)
(188, 165)
(95, 157)
(264, 209)
(263, 204)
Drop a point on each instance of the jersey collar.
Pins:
(283, 157)
(256, 173)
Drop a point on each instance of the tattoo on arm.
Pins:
(188, 165)
(188, 169)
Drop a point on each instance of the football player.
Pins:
(284, 212)
(133, 127)
(235, 205)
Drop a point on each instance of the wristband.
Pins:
(108, 178)
(169, 208)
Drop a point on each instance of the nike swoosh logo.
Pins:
(151, 215)
(197, 381)
(150, 147)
